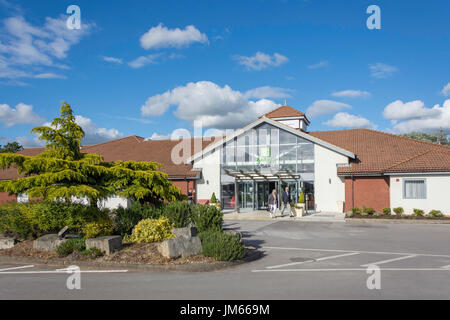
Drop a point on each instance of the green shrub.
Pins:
(435, 213)
(126, 219)
(418, 212)
(30, 220)
(213, 198)
(356, 210)
(16, 221)
(301, 197)
(349, 214)
(364, 214)
(398, 211)
(103, 227)
(387, 211)
(207, 218)
(221, 246)
(70, 246)
(368, 210)
(92, 253)
(151, 230)
(179, 213)
(377, 214)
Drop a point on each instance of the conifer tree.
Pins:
(63, 171)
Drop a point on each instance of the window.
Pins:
(414, 189)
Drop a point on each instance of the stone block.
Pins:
(62, 233)
(187, 232)
(49, 242)
(107, 244)
(6, 243)
(180, 247)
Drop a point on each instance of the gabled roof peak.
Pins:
(284, 111)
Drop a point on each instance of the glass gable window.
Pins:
(269, 147)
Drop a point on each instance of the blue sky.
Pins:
(151, 67)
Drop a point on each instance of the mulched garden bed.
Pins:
(133, 253)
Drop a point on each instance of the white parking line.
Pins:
(389, 260)
(59, 271)
(351, 269)
(361, 251)
(15, 268)
(319, 259)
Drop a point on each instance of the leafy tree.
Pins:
(62, 171)
(430, 137)
(11, 147)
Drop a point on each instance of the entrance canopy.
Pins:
(263, 174)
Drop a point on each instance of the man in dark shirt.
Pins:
(285, 201)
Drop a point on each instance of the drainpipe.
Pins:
(353, 192)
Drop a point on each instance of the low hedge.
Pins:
(30, 220)
(221, 246)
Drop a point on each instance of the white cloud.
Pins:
(22, 113)
(321, 64)
(398, 110)
(112, 59)
(261, 61)
(351, 94)
(205, 101)
(49, 75)
(143, 61)
(163, 37)
(446, 90)
(268, 92)
(28, 142)
(438, 118)
(93, 133)
(346, 120)
(324, 107)
(25, 48)
(381, 70)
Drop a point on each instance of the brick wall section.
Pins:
(184, 185)
(5, 197)
(369, 191)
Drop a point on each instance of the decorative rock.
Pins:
(187, 232)
(6, 243)
(63, 232)
(49, 242)
(107, 244)
(180, 246)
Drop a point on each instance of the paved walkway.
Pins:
(264, 215)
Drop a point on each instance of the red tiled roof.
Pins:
(379, 152)
(133, 148)
(284, 111)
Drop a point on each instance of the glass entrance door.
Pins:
(264, 188)
(245, 195)
(293, 190)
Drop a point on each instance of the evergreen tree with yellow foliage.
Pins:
(62, 171)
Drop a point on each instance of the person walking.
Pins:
(285, 201)
(190, 195)
(272, 203)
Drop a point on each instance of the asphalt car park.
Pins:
(300, 260)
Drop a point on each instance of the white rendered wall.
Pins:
(210, 180)
(328, 187)
(437, 194)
